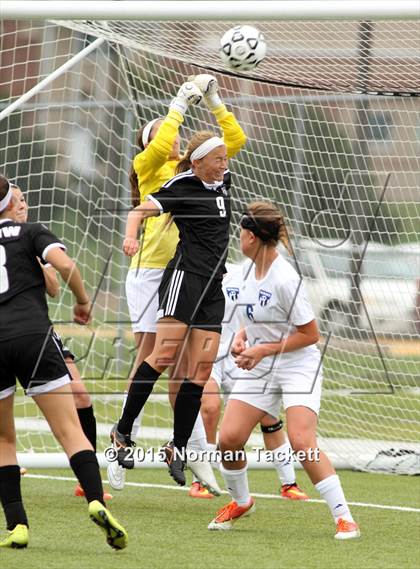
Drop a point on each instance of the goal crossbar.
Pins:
(210, 10)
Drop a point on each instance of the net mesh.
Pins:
(344, 166)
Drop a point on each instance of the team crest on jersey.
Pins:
(250, 312)
(264, 297)
(233, 293)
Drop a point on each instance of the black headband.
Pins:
(267, 231)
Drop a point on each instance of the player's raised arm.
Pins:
(158, 140)
(233, 135)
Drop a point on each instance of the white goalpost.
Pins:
(331, 116)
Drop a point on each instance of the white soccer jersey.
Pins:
(272, 307)
(233, 283)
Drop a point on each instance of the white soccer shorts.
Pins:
(294, 384)
(141, 288)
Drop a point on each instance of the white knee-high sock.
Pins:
(332, 492)
(283, 463)
(237, 484)
(137, 422)
(198, 439)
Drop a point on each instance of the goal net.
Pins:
(334, 138)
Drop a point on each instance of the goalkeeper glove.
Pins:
(188, 94)
(209, 87)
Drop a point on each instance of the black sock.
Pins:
(10, 496)
(86, 468)
(88, 422)
(187, 407)
(140, 389)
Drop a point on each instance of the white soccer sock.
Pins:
(198, 439)
(137, 422)
(237, 484)
(212, 448)
(332, 492)
(283, 463)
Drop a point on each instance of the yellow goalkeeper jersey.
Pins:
(160, 234)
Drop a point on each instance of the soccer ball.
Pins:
(242, 48)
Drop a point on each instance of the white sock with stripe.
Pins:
(332, 492)
(237, 484)
(283, 463)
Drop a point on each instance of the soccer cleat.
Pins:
(122, 444)
(203, 471)
(198, 491)
(17, 538)
(78, 491)
(116, 536)
(293, 492)
(229, 514)
(346, 529)
(175, 463)
(116, 475)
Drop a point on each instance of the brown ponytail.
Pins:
(271, 222)
(195, 141)
(4, 186)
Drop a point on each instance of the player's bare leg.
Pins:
(238, 422)
(276, 441)
(301, 428)
(59, 409)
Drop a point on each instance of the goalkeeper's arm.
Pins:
(233, 135)
(159, 149)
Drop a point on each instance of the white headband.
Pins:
(146, 131)
(207, 146)
(6, 200)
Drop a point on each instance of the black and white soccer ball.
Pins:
(242, 48)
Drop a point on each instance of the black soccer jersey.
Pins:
(23, 305)
(202, 214)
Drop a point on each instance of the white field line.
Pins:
(256, 495)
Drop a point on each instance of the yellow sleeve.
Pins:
(233, 135)
(157, 153)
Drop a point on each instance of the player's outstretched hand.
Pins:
(82, 313)
(209, 87)
(188, 94)
(130, 246)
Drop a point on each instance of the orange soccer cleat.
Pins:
(346, 529)
(229, 514)
(78, 491)
(198, 491)
(293, 492)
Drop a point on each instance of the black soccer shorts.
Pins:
(63, 348)
(36, 361)
(196, 300)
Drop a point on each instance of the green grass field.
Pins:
(169, 529)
